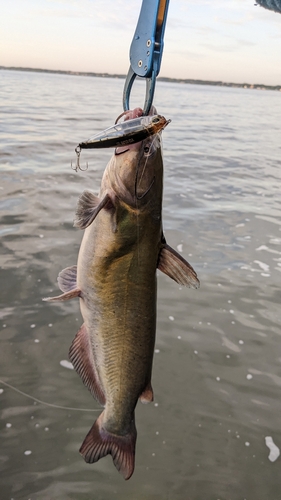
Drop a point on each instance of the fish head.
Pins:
(136, 170)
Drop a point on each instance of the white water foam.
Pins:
(274, 450)
(66, 364)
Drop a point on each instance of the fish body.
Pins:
(115, 278)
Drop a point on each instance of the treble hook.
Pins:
(78, 166)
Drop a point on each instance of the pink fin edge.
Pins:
(99, 442)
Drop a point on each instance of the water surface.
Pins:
(217, 367)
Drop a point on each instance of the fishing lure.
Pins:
(127, 132)
(120, 134)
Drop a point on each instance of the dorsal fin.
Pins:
(176, 267)
(88, 207)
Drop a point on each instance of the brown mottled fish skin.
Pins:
(117, 275)
(122, 247)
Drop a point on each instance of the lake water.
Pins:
(217, 365)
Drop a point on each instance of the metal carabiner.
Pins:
(146, 50)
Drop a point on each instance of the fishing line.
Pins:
(154, 139)
(44, 402)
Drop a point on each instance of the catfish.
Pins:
(115, 280)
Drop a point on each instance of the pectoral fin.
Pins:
(81, 356)
(176, 267)
(88, 208)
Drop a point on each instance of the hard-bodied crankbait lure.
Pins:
(135, 128)
(127, 132)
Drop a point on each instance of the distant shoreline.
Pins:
(258, 86)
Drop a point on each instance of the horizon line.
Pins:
(258, 86)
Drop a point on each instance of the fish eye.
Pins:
(149, 149)
(156, 119)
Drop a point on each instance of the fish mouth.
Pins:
(128, 147)
(123, 150)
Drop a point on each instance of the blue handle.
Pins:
(148, 41)
(146, 49)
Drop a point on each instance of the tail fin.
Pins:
(99, 442)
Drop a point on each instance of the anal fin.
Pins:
(81, 356)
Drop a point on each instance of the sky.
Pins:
(228, 40)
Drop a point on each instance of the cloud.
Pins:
(95, 35)
(106, 12)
